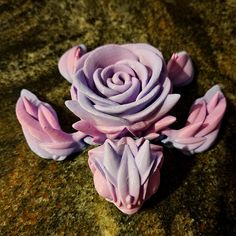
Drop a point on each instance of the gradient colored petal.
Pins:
(42, 130)
(202, 125)
(67, 64)
(180, 69)
(125, 167)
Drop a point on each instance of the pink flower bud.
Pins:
(180, 69)
(42, 131)
(202, 125)
(68, 62)
(126, 172)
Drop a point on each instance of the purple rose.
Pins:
(42, 130)
(126, 172)
(118, 89)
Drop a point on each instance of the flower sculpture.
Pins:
(42, 130)
(202, 125)
(121, 173)
(122, 95)
(119, 89)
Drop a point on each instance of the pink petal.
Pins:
(189, 130)
(87, 128)
(128, 177)
(29, 122)
(47, 118)
(144, 161)
(57, 135)
(210, 139)
(111, 162)
(213, 119)
(198, 112)
(30, 108)
(163, 123)
(213, 102)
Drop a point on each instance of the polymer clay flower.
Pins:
(126, 171)
(122, 95)
(68, 63)
(202, 125)
(118, 90)
(42, 131)
(180, 69)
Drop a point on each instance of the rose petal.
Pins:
(120, 88)
(134, 46)
(129, 95)
(132, 107)
(109, 71)
(101, 87)
(155, 63)
(141, 115)
(81, 84)
(139, 69)
(85, 110)
(105, 56)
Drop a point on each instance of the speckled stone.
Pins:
(39, 197)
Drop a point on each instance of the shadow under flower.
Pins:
(175, 169)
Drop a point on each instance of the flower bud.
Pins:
(68, 62)
(42, 130)
(180, 69)
(126, 172)
(202, 125)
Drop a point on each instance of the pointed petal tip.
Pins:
(29, 95)
(180, 69)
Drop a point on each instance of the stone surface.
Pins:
(39, 197)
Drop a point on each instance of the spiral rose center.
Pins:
(118, 83)
(120, 78)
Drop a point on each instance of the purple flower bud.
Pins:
(42, 131)
(126, 172)
(202, 125)
(180, 69)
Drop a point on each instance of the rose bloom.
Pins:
(117, 90)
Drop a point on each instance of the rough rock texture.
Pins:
(39, 197)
